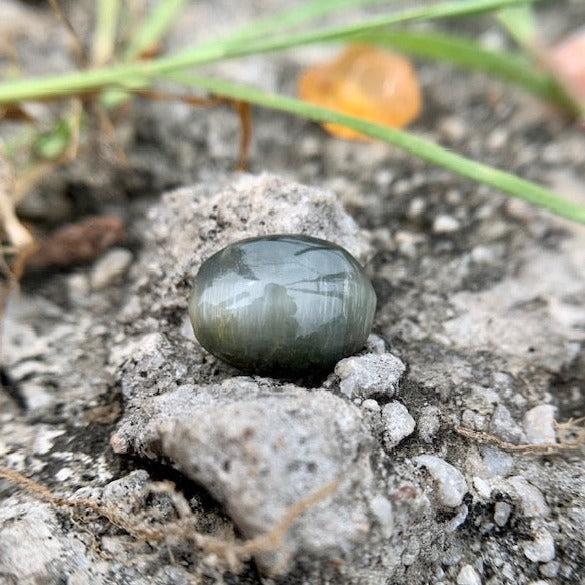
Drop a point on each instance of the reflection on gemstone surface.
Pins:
(282, 304)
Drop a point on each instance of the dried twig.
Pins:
(183, 528)
(527, 448)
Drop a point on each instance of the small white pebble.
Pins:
(451, 483)
(398, 423)
(429, 423)
(496, 461)
(370, 404)
(445, 224)
(502, 513)
(531, 498)
(78, 288)
(364, 375)
(504, 426)
(64, 474)
(539, 424)
(550, 569)
(375, 344)
(483, 255)
(497, 139)
(452, 128)
(110, 268)
(482, 487)
(382, 509)
(542, 548)
(416, 207)
(468, 576)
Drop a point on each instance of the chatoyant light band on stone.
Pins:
(282, 304)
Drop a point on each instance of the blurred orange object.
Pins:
(365, 82)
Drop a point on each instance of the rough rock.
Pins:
(398, 423)
(260, 451)
(468, 576)
(110, 268)
(542, 548)
(367, 375)
(451, 484)
(539, 424)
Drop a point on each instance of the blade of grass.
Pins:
(306, 12)
(104, 39)
(138, 73)
(442, 10)
(520, 23)
(424, 149)
(467, 54)
(155, 26)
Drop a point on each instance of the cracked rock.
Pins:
(450, 481)
(366, 375)
(398, 423)
(261, 451)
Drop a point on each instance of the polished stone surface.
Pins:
(282, 304)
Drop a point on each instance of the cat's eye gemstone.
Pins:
(284, 304)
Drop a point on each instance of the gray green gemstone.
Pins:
(282, 304)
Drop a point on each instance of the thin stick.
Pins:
(79, 48)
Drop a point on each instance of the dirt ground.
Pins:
(419, 461)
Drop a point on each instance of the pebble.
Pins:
(398, 423)
(502, 513)
(542, 548)
(451, 483)
(539, 425)
(382, 509)
(531, 498)
(550, 569)
(468, 576)
(452, 128)
(429, 423)
(504, 426)
(416, 207)
(496, 461)
(482, 487)
(78, 288)
(445, 224)
(369, 374)
(497, 139)
(110, 268)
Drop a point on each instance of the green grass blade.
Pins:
(155, 27)
(424, 149)
(140, 72)
(442, 10)
(300, 14)
(520, 22)
(467, 54)
(104, 39)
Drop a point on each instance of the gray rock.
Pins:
(531, 498)
(260, 451)
(429, 423)
(34, 548)
(502, 512)
(398, 423)
(504, 426)
(542, 548)
(451, 484)
(110, 268)
(539, 424)
(370, 374)
(468, 576)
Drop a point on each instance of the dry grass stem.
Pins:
(573, 437)
(177, 531)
